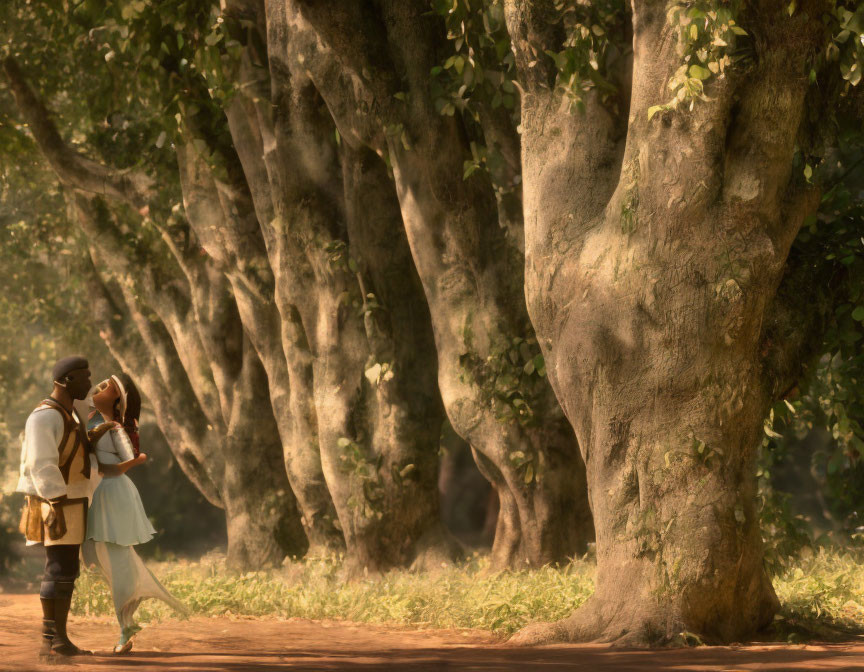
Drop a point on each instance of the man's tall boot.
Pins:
(61, 644)
(48, 628)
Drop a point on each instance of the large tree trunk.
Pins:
(260, 507)
(372, 426)
(470, 270)
(653, 248)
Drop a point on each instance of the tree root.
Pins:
(629, 623)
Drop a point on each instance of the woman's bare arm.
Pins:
(120, 469)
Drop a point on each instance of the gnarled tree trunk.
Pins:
(224, 220)
(653, 249)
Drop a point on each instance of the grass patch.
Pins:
(822, 594)
(465, 596)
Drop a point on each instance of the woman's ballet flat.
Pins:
(124, 644)
(120, 649)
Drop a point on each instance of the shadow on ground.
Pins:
(235, 645)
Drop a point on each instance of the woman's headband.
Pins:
(122, 391)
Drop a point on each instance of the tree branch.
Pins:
(351, 103)
(173, 299)
(82, 174)
(158, 295)
(73, 169)
(764, 130)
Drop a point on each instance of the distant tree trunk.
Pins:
(237, 467)
(407, 413)
(223, 218)
(653, 249)
(471, 272)
(373, 426)
(355, 332)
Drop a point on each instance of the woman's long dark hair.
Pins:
(133, 410)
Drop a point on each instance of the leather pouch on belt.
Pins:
(31, 520)
(55, 521)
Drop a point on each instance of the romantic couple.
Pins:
(80, 500)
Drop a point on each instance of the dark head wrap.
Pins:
(127, 408)
(67, 365)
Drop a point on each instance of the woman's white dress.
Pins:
(116, 522)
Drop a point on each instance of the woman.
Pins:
(116, 521)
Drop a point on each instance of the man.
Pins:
(56, 462)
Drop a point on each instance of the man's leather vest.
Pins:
(73, 449)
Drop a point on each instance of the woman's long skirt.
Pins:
(129, 579)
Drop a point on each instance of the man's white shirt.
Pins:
(40, 469)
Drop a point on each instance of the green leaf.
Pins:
(698, 72)
(654, 109)
(858, 314)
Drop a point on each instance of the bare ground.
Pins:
(231, 645)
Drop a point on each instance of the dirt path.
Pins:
(229, 645)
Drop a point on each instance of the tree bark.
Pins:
(653, 248)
